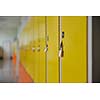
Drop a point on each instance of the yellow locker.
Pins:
(33, 48)
(36, 37)
(29, 48)
(52, 54)
(74, 61)
(26, 32)
(26, 52)
(42, 68)
(38, 51)
(22, 54)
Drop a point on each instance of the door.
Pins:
(52, 53)
(74, 45)
(96, 48)
(42, 46)
(35, 47)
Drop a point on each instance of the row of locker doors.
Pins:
(61, 49)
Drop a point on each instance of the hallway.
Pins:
(6, 71)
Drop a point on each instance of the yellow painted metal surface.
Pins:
(74, 62)
(52, 54)
(26, 49)
(36, 53)
(33, 43)
(33, 37)
(42, 68)
(22, 53)
(34, 50)
(29, 32)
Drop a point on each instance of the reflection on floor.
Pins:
(6, 71)
(24, 77)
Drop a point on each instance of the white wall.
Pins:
(4, 37)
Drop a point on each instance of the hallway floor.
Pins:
(7, 74)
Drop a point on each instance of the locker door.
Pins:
(33, 48)
(52, 54)
(36, 36)
(29, 50)
(27, 32)
(74, 60)
(23, 48)
(26, 41)
(38, 50)
(42, 73)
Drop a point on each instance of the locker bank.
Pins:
(56, 49)
(53, 49)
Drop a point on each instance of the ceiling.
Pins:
(8, 27)
(9, 24)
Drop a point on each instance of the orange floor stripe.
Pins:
(24, 77)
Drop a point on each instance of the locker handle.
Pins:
(46, 48)
(61, 51)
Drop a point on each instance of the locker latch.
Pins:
(38, 48)
(63, 34)
(46, 48)
(61, 51)
(33, 49)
